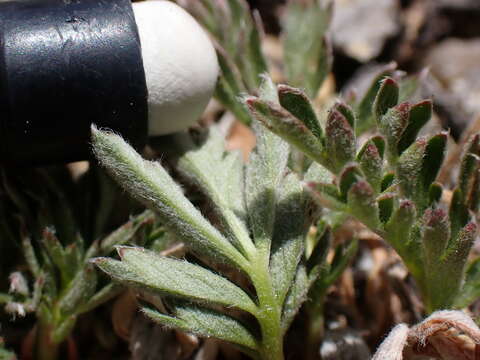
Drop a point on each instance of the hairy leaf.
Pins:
(285, 125)
(173, 277)
(150, 183)
(387, 97)
(264, 174)
(289, 235)
(205, 322)
(219, 174)
(298, 104)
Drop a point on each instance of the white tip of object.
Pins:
(180, 62)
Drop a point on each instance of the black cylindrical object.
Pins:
(65, 64)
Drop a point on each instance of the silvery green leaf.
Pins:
(285, 125)
(205, 322)
(268, 90)
(458, 212)
(56, 253)
(386, 204)
(30, 256)
(435, 237)
(347, 112)
(326, 195)
(432, 162)
(371, 163)
(459, 249)
(398, 233)
(363, 205)
(449, 273)
(409, 168)
(420, 114)
(297, 103)
(318, 173)
(364, 108)
(387, 97)
(418, 168)
(296, 297)
(149, 183)
(103, 295)
(264, 173)
(291, 224)
(393, 125)
(126, 232)
(178, 278)
(79, 291)
(219, 174)
(340, 143)
(468, 175)
(436, 234)
(470, 291)
(350, 175)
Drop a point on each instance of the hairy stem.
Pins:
(269, 314)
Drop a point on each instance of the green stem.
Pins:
(45, 348)
(269, 313)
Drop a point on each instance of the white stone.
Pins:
(180, 62)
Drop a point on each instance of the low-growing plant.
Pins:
(368, 160)
(261, 217)
(262, 249)
(388, 183)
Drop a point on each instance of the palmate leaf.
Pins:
(264, 173)
(263, 236)
(173, 277)
(289, 235)
(150, 184)
(219, 174)
(205, 322)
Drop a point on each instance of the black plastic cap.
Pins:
(65, 64)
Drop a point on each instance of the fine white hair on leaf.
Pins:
(150, 183)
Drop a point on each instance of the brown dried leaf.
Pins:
(392, 347)
(445, 335)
